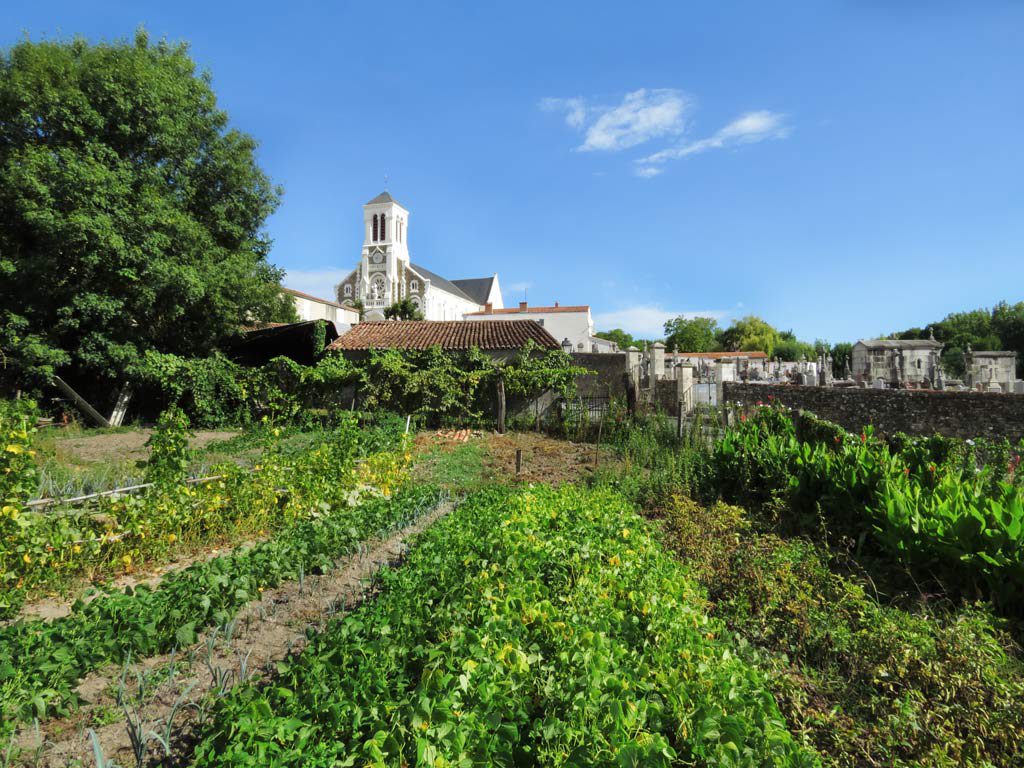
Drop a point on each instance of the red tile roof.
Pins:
(448, 334)
(718, 355)
(530, 310)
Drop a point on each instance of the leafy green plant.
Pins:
(168, 462)
(857, 677)
(531, 626)
(42, 662)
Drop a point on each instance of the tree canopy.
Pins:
(999, 328)
(403, 310)
(131, 215)
(691, 334)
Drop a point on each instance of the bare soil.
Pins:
(123, 446)
(184, 685)
(544, 459)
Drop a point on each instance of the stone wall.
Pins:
(954, 414)
(607, 377)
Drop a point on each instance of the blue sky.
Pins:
(839, 168)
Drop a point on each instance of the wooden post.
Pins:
(597, 448)
(121, 407)
(679, 419)
(519, 461)
(501, 404)
(81, 403)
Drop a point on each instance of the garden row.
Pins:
(42, 662)
(928, 502)
(51, 547)
(529, 627)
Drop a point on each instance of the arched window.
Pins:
(377, 287)
(414, 286)
(375, 227)
(348, 289)
(415, 301)
(383, 228)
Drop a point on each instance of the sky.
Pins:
(841, 169)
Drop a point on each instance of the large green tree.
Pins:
(131, 215)
(691, 334)
(750, 334)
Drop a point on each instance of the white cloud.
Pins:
(746, 129)
(646, 320)
(316, 282)
(648, 171)
(575, 109)
(643, 115)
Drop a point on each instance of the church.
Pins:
(386, 274)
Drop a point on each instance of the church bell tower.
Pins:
(385, 259)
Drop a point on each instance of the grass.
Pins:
(461, 468)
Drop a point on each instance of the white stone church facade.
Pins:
(386, 274)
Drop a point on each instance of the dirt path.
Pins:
(182, 687)
(125, 446)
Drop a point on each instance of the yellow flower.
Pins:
(127, 560)
(26, 558)
(172, 538)
(77, 548)
(625, 533)
(614, 560)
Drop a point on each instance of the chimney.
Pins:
(556, 303)
(522, 306)
(488, 307)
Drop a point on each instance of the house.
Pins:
(988, 370)
(499, 340)
(386, 275)
(572, 324)
(313, 308)
(897, 362)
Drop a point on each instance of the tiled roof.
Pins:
(531, 310)
(448, 334)
(477, 288)
(718, 355)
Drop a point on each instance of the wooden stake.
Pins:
(519, 460)
(81, 403)
(501, 404)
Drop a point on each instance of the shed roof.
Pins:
(447, 334)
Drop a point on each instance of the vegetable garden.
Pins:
(861, 606)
